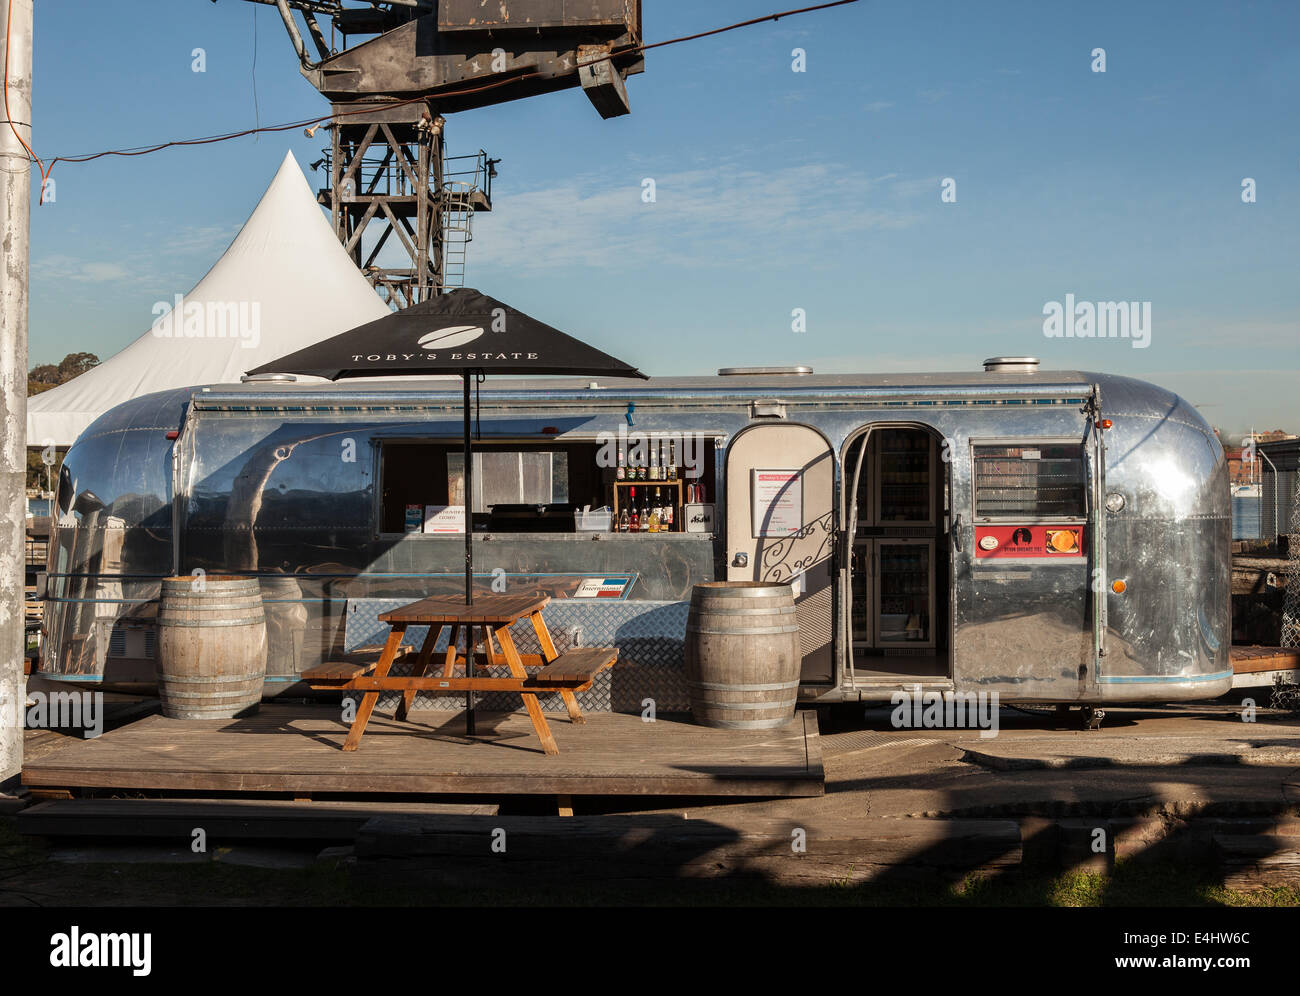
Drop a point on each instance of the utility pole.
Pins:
(15, 224)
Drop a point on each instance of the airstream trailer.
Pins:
(1052, 536)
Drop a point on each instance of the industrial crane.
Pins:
(392, 70)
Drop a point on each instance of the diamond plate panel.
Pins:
(648, 635)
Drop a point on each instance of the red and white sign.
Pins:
(444, 518)
(602, 587)
(1036, 541)
(777, 502)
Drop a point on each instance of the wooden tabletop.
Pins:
(487, 610)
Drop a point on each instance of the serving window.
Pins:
(1030, 481)
(530, 486)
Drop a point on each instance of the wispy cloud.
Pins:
(88, 271)
(124, 265)
(703, 217)
(876, 106)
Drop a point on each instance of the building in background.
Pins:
(1279, 461)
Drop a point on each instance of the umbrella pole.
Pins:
(469, 565)
(469, 505)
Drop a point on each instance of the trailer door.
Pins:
(780, 501)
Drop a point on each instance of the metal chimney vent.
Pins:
(764, 371)
(1011, 364)
(267, 379)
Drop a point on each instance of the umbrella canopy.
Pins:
(462, 330)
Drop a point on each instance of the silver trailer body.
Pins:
(284, 481)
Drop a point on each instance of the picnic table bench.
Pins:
(485, 623)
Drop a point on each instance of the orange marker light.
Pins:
(1118, 587)
(1105, 423)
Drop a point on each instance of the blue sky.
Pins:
(776, 190)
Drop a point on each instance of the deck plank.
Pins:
(296, 748)
(1252, 660)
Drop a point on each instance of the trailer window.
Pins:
(416, 475)
(510, 477)
(1030, 481)
(548, 486)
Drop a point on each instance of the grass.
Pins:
(28, 877)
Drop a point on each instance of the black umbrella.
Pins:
(461, 331)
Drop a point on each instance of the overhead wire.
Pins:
(336, 114)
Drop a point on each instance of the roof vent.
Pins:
(268, 379)
(764, 371)
(1011, 364)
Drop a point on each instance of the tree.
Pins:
(39, 379)
(47, 375)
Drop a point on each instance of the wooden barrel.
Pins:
(211, 647)
(743, 656)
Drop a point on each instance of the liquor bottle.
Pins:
(621, 473)
(672, 459)
(634, 521)
(624, 520)
(645, 514)
(654, 461)
(640, 467)
(669, 514)
(654, 513)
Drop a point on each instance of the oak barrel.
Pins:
(211, 647)
(743, 655)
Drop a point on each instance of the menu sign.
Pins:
(1037, 541)
(777, 502)
(444, 518)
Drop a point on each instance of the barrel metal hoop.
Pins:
(166, 623)
(224, 679)
(769, 687)
(190, 604)
(749, 706)
(759, 631)
(784, 610)
(758, 591)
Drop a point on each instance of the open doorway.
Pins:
(898, 508)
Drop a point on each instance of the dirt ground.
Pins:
(1174, 762)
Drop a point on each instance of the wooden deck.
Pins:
(296, 749)
(1252, 660)
(1259, 667)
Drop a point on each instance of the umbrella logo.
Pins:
(452, 335)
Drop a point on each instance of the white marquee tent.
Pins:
(284, 283)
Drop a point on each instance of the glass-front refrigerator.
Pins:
(905, 585)
(905, 478)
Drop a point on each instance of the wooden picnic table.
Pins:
(487, 623)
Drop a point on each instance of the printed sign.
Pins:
(1037, 541)
(444, 518)
(414, 518)
(602, 587)
(777, 502)
(699, 518)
